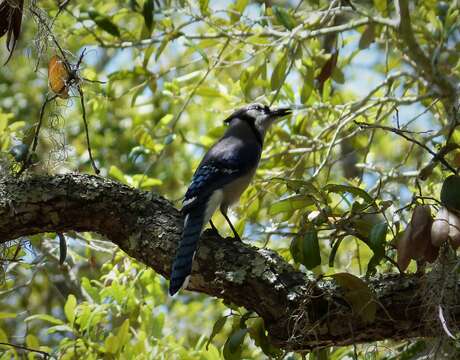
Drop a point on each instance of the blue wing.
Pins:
(225, 162)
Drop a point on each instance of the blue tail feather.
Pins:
(182, 264)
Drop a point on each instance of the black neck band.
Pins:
(251, 122)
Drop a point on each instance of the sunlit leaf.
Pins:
(337, 188)
(284, 17)
(359, 296)
(218, 326)
(279, 73)
(69, 308)
(44, 317)
(290, 203)
(104, 23)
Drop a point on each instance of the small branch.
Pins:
(27, 162)
(416, 54)
(88, 143)
(44, 353)
(403, 133)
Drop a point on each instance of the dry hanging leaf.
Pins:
(327, 69)
(58, 77)
(440, 227)
(421, 228)
(403, 249)
(416, 241)
(10, 23)
(454, 230)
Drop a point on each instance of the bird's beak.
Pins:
(280, 112)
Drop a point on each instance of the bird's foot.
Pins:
(213, 229)
(236, 238)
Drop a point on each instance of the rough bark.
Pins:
(299, 313)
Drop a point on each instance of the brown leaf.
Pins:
(421, 231)
(58, 77)
(431, 253)
(327, 69)
(403, 249)
(10, 23)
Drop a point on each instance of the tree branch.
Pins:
(416, 54)
(299, 314)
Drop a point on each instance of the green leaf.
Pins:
(32, 341)
(367, 37)
(161, 48)
(117, 173)
(284, 18)
(59, 328)
(279, 73)
(218, 326)
(233, 345)
(7, 315)
(338, 76)
(111, 344)
(147, 54)
(377, 238)
(123, 333)
(62, 248)
(208, 92)
(204, 4)
(337, 188)
(358, 295)
(104, 23)
(308, 84)
(450, 192)
(305, 249)
(290, 203)
(237, 9)
(334, 251)
(381, 6)
(45, 317)
(147, 12)
(199, 50)
(258, 334)
(247, 79)
(92, 291)
(69, 308)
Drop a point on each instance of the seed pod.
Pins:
(454, 230)
(420, 234)
(440, 227)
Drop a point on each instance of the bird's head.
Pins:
(258, 115)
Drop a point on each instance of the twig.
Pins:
(44, 353)
(27, 162)
(403, 133)
(189, 98)
(83, 114)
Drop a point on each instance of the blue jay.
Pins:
(224, 173)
